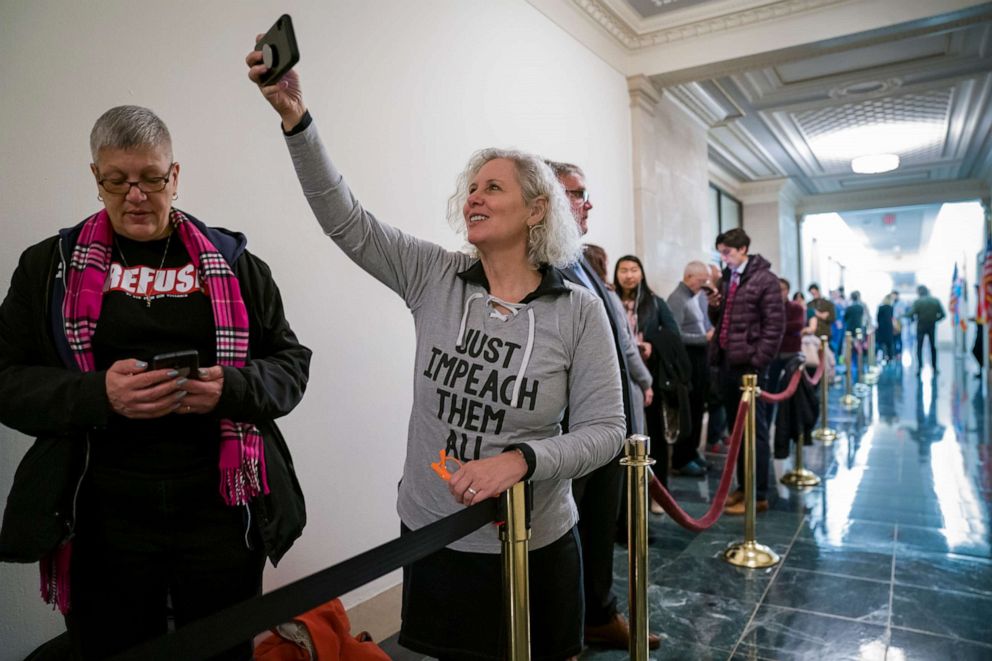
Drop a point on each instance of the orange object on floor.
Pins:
(329, 632)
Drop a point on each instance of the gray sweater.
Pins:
(483, 380)
(688, 315)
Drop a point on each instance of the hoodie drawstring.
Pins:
(514, 309)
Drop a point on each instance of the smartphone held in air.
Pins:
(279, 50)
(185, 362)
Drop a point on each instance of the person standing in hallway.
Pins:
(898, 312)
(927, 311)
(822, 309)
(684, 304)
(749, 315)
(854, 321)
(885, 333)
(598, 494)
(716, 419)
(657, 333)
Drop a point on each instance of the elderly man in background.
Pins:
(684, 303)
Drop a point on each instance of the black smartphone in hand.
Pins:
(279, 50)
(185, 362)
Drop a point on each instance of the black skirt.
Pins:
(453, 603)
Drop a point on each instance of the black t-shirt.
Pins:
(153, 303)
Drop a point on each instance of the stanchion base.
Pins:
(826, 434)
(800, 477)
(751, 554)
(849, 402)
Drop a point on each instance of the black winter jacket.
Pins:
(43, 393)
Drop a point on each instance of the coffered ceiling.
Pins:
(798, 88)
(926, 98)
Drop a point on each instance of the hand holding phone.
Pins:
(187, 362)
(279, 50)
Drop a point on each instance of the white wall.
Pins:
(403, 93)
(671, 188)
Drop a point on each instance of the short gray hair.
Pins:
(694, 267)
(564, 169)
(555, 240)
(129, 127)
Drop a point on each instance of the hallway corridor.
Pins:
(889, 558)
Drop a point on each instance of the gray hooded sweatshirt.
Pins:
(483, 379)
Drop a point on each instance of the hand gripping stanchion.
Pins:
(824, 433)
(637, 462)
(848, 401)
(515, 536)
(750, 553)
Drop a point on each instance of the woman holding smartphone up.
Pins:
(535, 346)
(146, 486)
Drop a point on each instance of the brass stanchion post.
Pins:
(861, 388)
(848, 401)
(799, 476)
(750, 553)
(637, 462)
(872, 370)
(515, 535)
(824, 433)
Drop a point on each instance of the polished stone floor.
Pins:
(889, 558)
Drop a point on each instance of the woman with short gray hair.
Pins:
(156, 478)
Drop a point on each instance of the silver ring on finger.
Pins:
(472, 491)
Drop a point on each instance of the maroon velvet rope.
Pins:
(785, 394)
(815, 379)
(660, 493)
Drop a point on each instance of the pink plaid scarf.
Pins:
(242, 461)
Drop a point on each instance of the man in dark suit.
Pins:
(598, 494)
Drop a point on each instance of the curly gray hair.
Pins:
(553, 241)
(129, 127)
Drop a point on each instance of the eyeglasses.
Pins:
(116, 186)
(578, 194)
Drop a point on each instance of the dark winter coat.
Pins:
(669, 363)
(42, 393)
(797, 414)
(757, 317)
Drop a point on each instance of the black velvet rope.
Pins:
(222, 631)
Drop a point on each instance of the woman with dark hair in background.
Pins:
(885, 333)
(660, 342)
(596, 257)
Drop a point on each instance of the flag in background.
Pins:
(954, 302)
(985, 285)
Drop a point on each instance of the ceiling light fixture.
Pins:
(875, 163)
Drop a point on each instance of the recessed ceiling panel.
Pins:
(859, 59)
(912, 126)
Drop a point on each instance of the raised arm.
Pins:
(402, 262)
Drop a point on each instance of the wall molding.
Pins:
(635, 33)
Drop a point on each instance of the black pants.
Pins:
(659, 446)
(921, 333)
(453, 605)
(730, 387)
(716, 429)
(598, 497)
(687, 447)
(142, 541)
